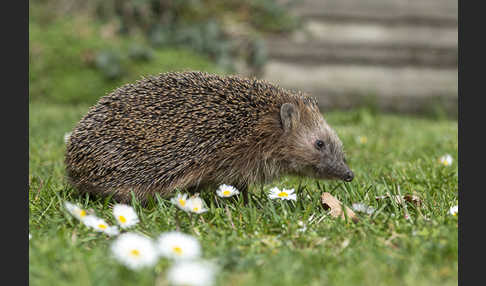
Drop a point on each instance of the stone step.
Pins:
(406, 89)
(313, 53)
(331, 43)
(370, 33)
(389, 12)
(400, 55)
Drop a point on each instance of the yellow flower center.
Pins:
(363, 140)
(177, 250)
(454, 214)
(226, 193)
(122, 219)
(102, 226)
(283, 194)
(182, 202)
(82, 213)
(135, 253)
(196, 209)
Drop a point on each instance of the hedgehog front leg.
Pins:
(194, 189)
(243, 188)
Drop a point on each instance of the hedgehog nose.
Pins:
(349, 176)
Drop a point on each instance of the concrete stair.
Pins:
(402, 54)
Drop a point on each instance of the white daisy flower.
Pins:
(285, 194)
(225, 191)
(134, 251)
(181, 201)
(196, 205)
(125, 215)
(359, 207)
(454, 210)
(446, 160)
(302, 225)
(100, 225)
(75, 210)
(362, 139)
(178, 245)
(191, 273)
(66, 137)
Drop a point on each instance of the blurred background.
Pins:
(387, 55)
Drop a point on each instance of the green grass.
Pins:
(265, 247)
(66, 64)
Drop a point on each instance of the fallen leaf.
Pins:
(400, 200)
(328, 201)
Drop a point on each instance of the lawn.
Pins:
(260, 243)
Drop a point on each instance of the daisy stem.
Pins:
(177, 221)
(217, 201)
(41, 183)
(191, 219)
(284, 207)
(404, 204)
(228, 213)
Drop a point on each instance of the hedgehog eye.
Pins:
(319, 144)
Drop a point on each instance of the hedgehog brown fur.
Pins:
(193, 129)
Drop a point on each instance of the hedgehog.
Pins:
(194, 130)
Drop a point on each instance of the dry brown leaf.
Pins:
(74, 237)
(88, 57)
(328, 201)
(400, 200)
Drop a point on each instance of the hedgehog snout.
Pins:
(348, 176)
(344, 173)
(337, 170)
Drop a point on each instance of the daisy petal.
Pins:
(446, 160)
(75, 210)
(100, 225)
(178, 245)
(285, 194)
(225, 191)
(454, 210)
(196, 205)
(134, 251)
(201, 273)
(125, 215)
(180, 200)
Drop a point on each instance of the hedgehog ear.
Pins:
(289, 116)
